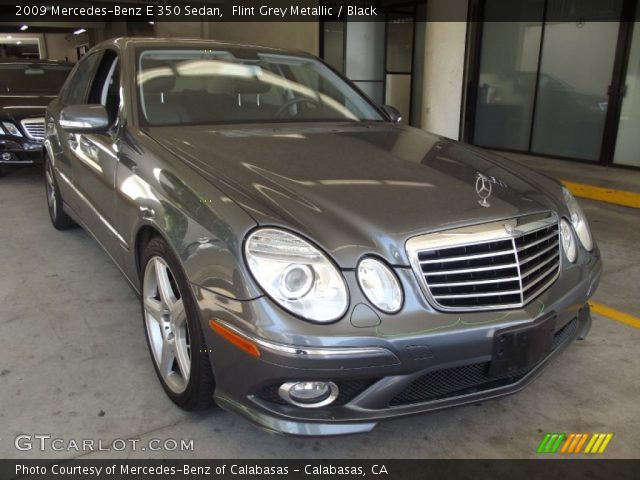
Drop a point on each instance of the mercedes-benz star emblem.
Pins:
(483, 189)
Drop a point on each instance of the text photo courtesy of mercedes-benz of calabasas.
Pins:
(303, 259)
(27, 86)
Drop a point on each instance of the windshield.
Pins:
(32, 78)
(208, 86)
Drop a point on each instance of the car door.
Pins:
(95, 159)
(74, 92)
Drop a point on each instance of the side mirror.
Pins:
(392, 112)
(84, 118)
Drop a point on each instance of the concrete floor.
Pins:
(581, 172)
(74, 363)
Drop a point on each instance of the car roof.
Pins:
(126, 42)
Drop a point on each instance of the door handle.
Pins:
(73, 142)
(147, 213)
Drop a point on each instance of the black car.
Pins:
(26, 88)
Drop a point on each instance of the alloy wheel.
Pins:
(166, 325)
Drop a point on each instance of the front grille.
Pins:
(34, 128)
(347, 390)
(493, 269)
(453, 382)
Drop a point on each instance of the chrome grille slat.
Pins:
(542, 252)
(491, 266)
(475, 282)
(539, 266)
(539, 278)
(467, 257)
(552, 235)
(496, 294)
(34, 127)
(468, 270)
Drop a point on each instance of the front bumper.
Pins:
(15, 151)
(382, 371)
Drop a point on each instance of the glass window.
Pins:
(76, 89)
(507, 80)
(32, 77)
(333, 44)
(106, 86)
(575, 73)
(399, 44)
(204, 86)
(628, 142)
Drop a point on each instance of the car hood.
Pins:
(358, 188)
(17, 107)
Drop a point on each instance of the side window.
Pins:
(75, 91)
(105, 89)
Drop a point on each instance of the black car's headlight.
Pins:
(11, 129)
(578, 220)
(380, 285)
(296, 274)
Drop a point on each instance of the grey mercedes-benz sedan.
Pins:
(301, 257)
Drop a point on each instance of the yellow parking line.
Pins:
(609, 195)
(614, 314)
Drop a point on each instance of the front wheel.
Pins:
(59, 218)
(172, 327)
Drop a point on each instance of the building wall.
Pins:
(443, 67)
(59, 46)
(299, 35)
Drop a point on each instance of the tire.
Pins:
(173, 330)
(59, 219)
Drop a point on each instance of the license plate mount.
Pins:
(517, 349)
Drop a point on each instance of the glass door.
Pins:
(399, 58)
(627, 150)
(572, 96)
(544, 77)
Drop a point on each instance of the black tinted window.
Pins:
(76, 90)
(106, 86)
(32, 78)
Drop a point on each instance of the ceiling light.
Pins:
(8, 37)
(18, 42)
(24, 27)
(79, 31)
(151, 23)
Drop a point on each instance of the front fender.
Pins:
(158, 194)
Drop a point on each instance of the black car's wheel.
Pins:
(59, 218)
(173, 331)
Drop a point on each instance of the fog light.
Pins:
(6, 156)
(309, 394)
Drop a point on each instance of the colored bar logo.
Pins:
(574, 443)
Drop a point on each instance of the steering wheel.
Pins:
(283, 108)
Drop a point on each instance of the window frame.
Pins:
(64, 93)
(103, 73)
(142, 122)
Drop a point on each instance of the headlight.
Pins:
(297, 275)
(11, 129)
(578, 220)
(380, 285)
(568, 241)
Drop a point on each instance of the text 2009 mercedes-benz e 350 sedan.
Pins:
(301, 257)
